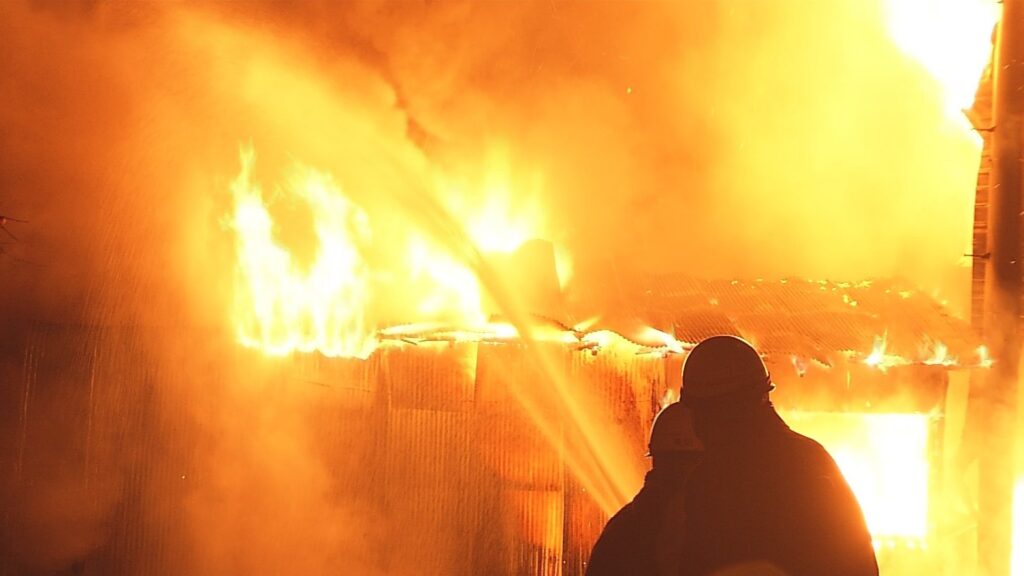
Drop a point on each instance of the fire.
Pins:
(984, 360)
(940, 356)
(282, 305)
(606, 339)
(878, 358)
(930, 353)
(949, 38)
(661, 339)
(451, 289)
(495, 225)
(877, 353)
(483, 332)
(286, 303)
(799, 365)
(642, 341)
(884, 458)
(1017, 554)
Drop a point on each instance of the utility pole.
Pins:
(1002, 301)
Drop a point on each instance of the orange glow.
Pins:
(498, 218)
(940, 356)
(606, 339)
(984, 360)
(452, 289)
(660, 339)
(949, 38)
(586, 325)
(879, 358)
(282, 306)
(799, 365)
(483, 332)
(884, 458)
(930, 353)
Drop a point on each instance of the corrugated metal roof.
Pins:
(805, 318)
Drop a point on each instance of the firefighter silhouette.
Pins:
(645, 537)
(763, 497)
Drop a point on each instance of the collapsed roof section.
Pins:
(882, 324)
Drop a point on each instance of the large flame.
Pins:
(285, 303)
(282, 305)
(495, 221)
(950, 39)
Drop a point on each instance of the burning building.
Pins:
(471, 455)
(339, 347)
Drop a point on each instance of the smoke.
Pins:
(706, 138)
(763, 139)
(759, 139)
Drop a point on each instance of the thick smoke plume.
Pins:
(762, 139)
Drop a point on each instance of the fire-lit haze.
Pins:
(289, 179)
(947, 38)
(885, 460)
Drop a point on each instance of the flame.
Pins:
(281, 305)
(605, 339)
(878, 358)
(799, 364)
(884, 458)
(951, 39)
(499, 222)
(984, 360)
(447, 288)
(285, 304)
(639, 342)
(663, 339)
(586, 325)
(940, 356)
(484, 332)
(932, 353)
(877, 355)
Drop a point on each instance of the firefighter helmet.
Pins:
(672, 431)
(721, 366)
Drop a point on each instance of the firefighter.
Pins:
(763, 495)
(645, 537)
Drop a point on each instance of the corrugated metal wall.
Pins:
(141, 451)
(132, 451)
(88, 478)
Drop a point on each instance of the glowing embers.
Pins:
(885, 458)
(284, 304)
